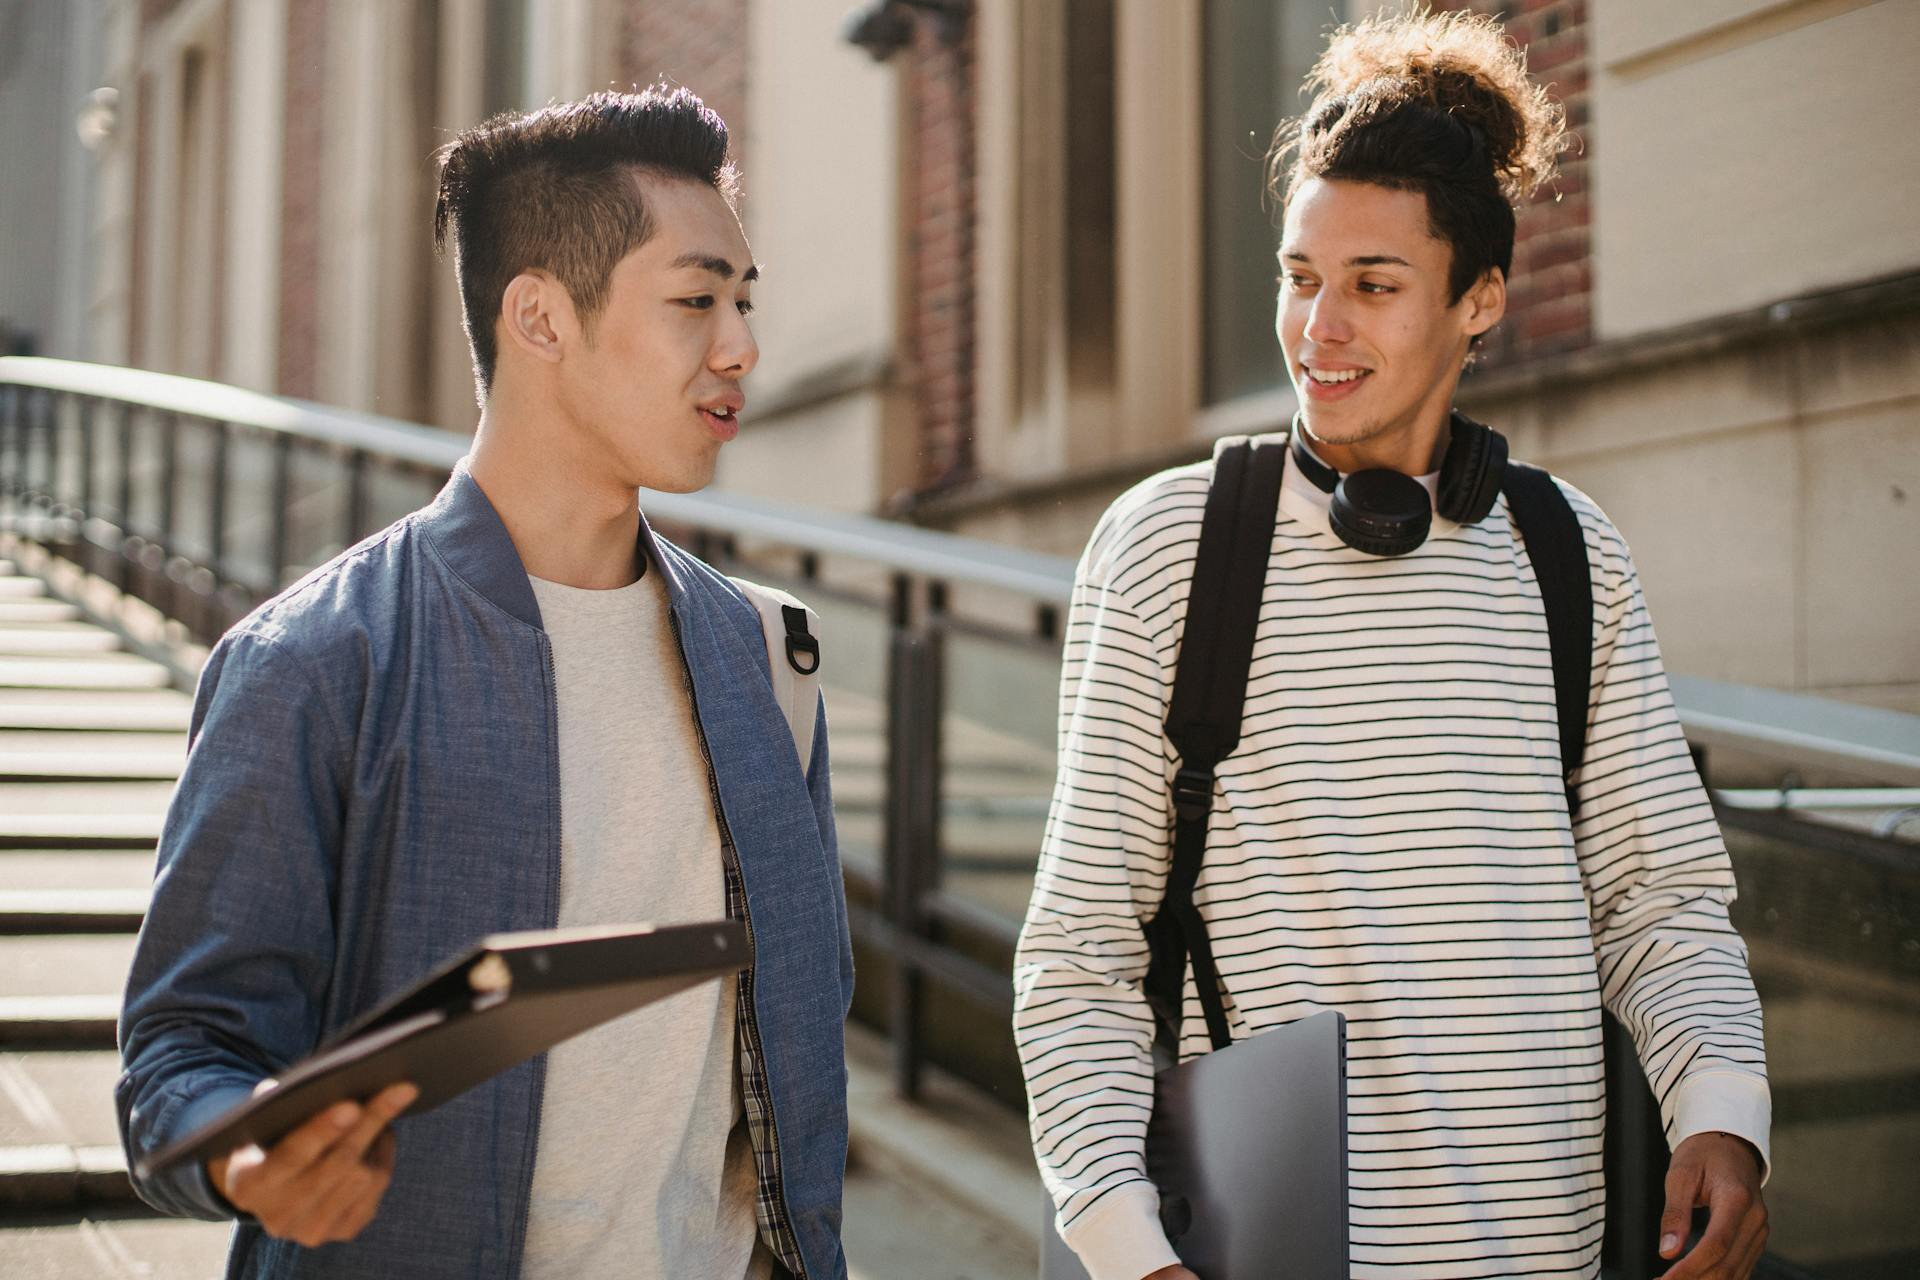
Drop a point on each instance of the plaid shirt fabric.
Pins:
(768, 1209)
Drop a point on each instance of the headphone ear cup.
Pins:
(1381, 512)
(1471, 473)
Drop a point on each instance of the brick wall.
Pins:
(701, 44)
(1550, 294)
(306, 89)
(939, 86)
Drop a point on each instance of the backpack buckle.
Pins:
(1193, 792)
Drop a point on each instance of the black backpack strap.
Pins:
(1204, 712)
(1558, 549)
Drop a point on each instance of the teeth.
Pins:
(1328, 376)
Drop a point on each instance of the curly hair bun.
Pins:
(1462, 64)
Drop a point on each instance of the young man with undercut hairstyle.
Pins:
(1393, 836)
(519, 708)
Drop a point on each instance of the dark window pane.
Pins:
(1257, 54)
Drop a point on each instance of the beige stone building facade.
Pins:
(1022, 260)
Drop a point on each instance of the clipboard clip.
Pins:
(491, 979)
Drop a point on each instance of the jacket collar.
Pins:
(467, 531)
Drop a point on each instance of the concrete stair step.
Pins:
(79, 815)
(58, 1097)
(30, 612)
(36, 755)
(102, 671)
(96, 710)
(57, 639)
(60, 1178)
(65, 1022)
(127, 870)
(84, 831)
(70, 911)
(16, 587)
(116, 1242)
(64, 965)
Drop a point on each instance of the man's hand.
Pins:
(323, 1181)
(1175, 1272)
(1720, 1173)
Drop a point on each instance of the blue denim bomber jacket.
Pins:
(373, 785)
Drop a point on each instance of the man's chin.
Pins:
(1338, 428)
(690, 479)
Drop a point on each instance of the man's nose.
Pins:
(736, 352)
(1327, 319)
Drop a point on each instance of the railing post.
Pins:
(356, 510)
(123, 575)
(911, 868)
(176, 595)
(83, 545)
(50, 429)
(213, 608)
(9, 411)
(282, 484)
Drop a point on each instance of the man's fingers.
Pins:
(1683, 1194)
(1748, 1242)
(318, 1176)
(1729, 1214)
(1746, 1261)
(307, 1145)
(381, 1110)
(356, 1194)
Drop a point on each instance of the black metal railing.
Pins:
(942, 661)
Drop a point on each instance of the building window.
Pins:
(1257, 55)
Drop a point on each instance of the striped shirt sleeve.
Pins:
(1657, 875)
(1083, 1025)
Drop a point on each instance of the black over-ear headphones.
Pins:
(1385, 513)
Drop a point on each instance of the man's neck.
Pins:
(569, 524)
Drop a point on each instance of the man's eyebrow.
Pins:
(714, 264)
(1364, 260)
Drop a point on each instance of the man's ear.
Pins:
(1486, 302)
(536, 316)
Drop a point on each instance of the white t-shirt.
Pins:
(644, 1166)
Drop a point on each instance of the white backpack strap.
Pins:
(793, 660)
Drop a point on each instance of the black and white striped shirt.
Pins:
(1390, 840)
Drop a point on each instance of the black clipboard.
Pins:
(1248, 1147)
(511, 996)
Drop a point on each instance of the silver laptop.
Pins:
(1248, 1146)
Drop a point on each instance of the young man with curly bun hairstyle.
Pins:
(1393, 837)
(518, 708)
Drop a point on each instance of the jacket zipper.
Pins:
(731, 856)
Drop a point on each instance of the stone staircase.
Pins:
(91, 740)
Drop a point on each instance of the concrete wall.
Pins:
(819, 170)
(1750, 150)
(1771, 494)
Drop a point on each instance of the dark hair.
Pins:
(1435, 103)
(557, 190)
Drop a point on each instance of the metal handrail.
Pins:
(927, 553)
